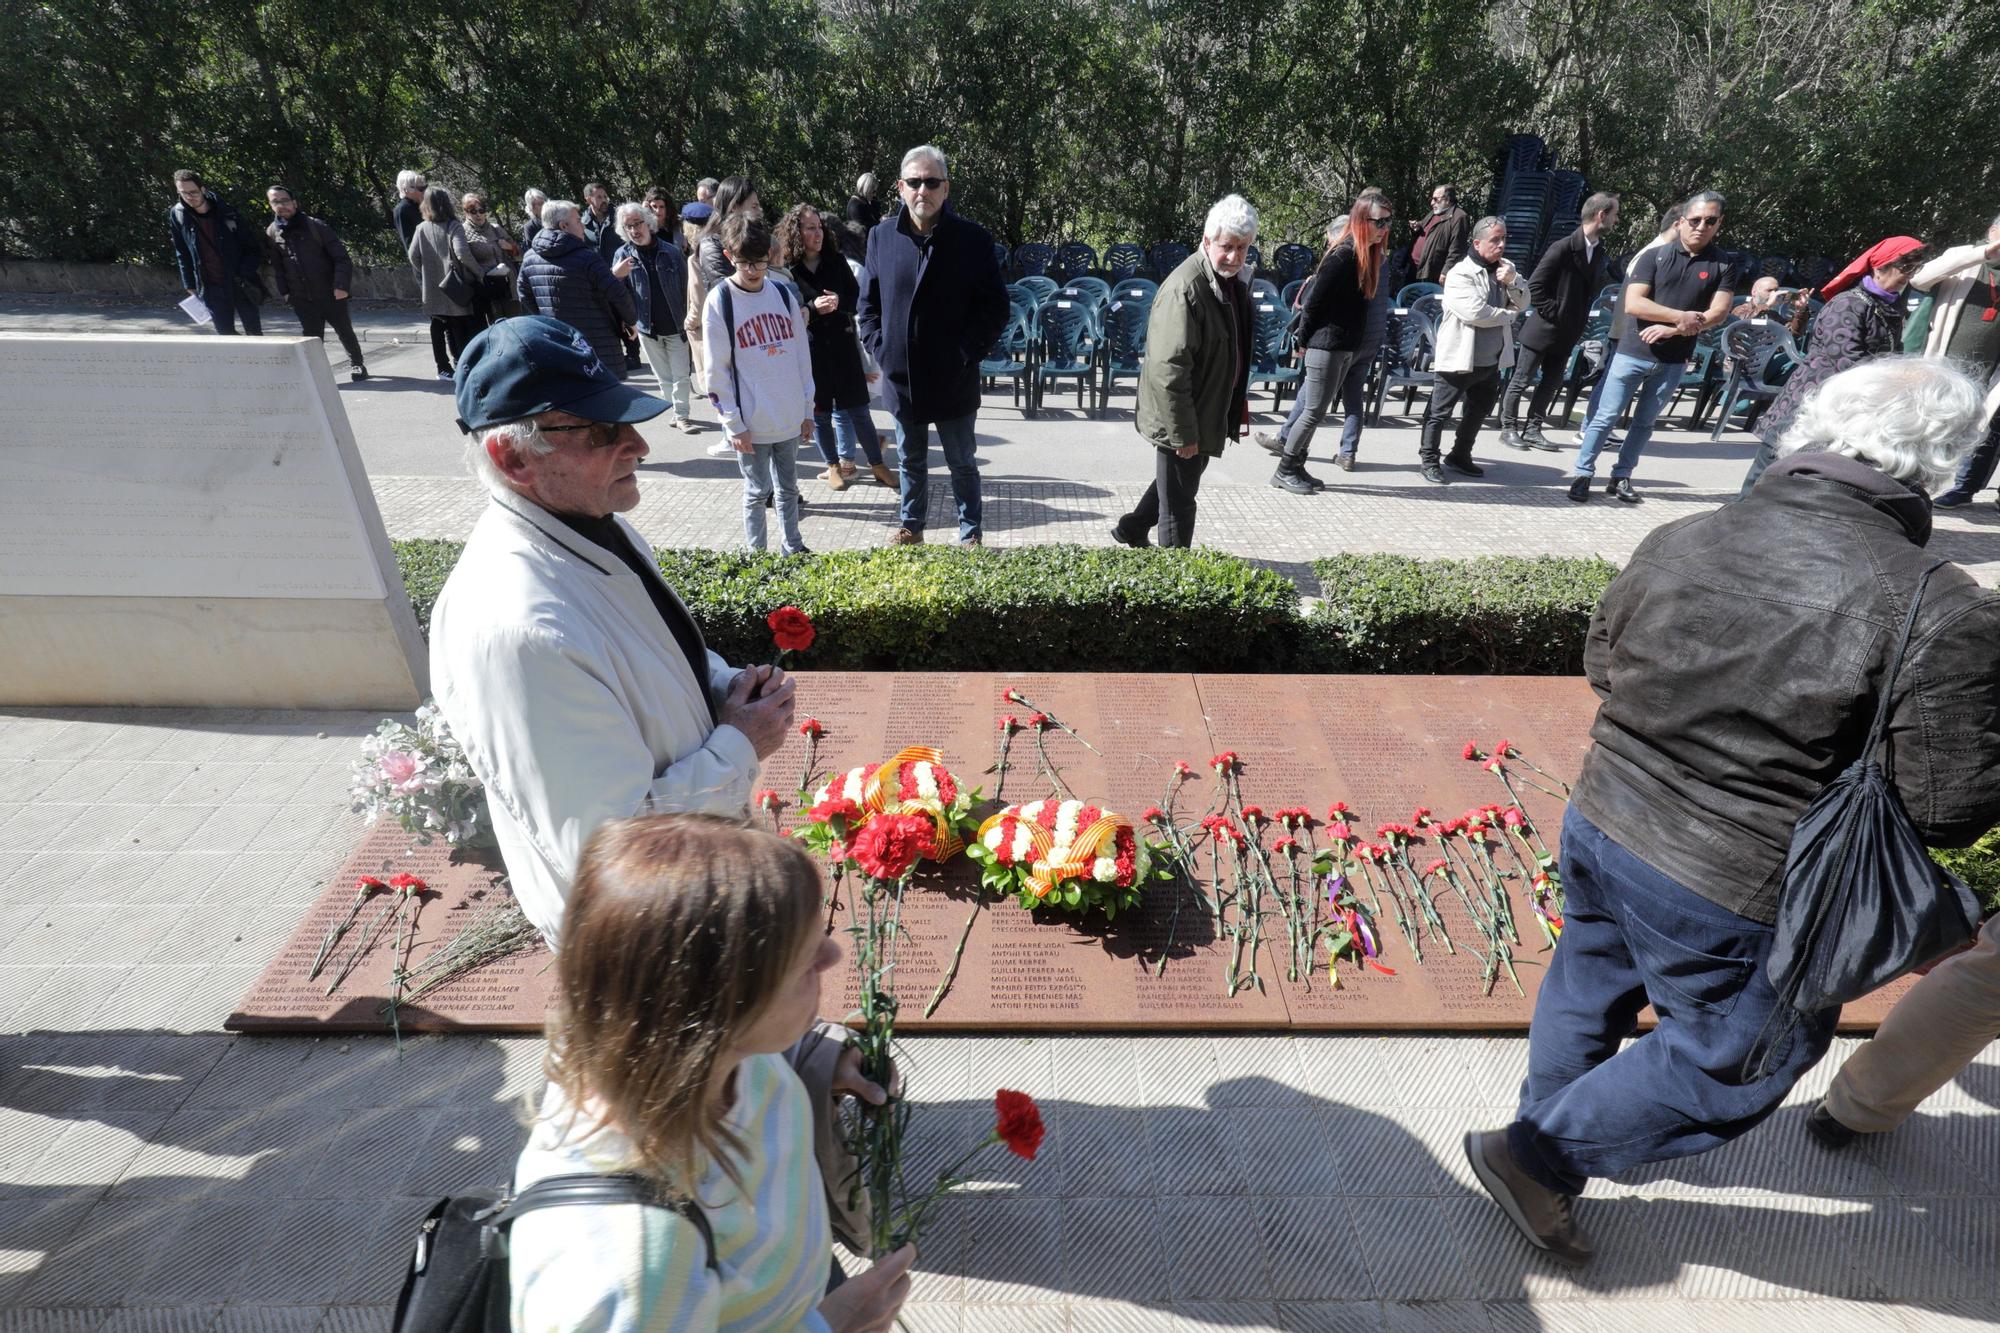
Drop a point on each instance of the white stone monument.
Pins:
(185, 521)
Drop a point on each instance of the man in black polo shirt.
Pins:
(1673, 293)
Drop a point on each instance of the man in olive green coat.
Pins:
(1194, 384)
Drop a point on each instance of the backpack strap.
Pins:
(623, 1187)
(1881, 723)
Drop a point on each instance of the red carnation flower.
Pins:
(1152, 814)
(889, 845)
(1434, 867)
(407, 881)
(370, 883)
(1226, 762)
(1495, 766)
(1338, 812)
(768, 799)
(1010, 724)
(791, 629)
(1503, 750)
(1470, 753)
(1012, 697)
(1038, 720)
(1253, 814)
(832, 808)
(1017, 1123)
(1422, 815)
(1512, 818)
(1181, 768)
(811, 727)
(1289, 846)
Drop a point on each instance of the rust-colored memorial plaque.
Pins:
(1383, 744)
(509, 996)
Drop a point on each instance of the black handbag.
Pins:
(1862, 902)
(457, 288)
(459, 1280)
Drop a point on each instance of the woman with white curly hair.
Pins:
(1738, 661)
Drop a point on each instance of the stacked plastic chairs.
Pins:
(1408, 345)
(1069, 341)
(1122, 259)
(1032, 259)
(1073, 260)
(1167, 256)
(1292, 261)
(1271, 348)
(1263, 289)
(1525, 207)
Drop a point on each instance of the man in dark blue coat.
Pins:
(930, 309)
(1563, 288)
(564, 276)
(218, 253)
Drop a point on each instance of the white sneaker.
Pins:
(721, 448)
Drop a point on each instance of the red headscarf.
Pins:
(1874, 257)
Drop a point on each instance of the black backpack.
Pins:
(458, 1276)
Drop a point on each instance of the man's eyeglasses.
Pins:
(752, 265)
(602, 434)
(924, 182)
(475, 208)
(1704, 222)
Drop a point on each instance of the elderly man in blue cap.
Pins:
(576, 680)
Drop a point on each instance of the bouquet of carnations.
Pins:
(420, 778)
(1065, 854)
(913, 781)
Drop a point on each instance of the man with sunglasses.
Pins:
(1673, 293)
(930, 309)
(577, 681)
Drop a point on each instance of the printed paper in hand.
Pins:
(196, 310)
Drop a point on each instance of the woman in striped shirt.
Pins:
(691, 960)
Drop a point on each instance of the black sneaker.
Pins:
(1434, 475)
(1950, 499)
(1345, 462)
(1620, 488)
(1118, 535)
(1285, 479)
(1579, 489)
(1514, 439)
(444, 374)
(358, 374)
(1829, 1132)
(1464, 466)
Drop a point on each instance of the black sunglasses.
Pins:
(924, 182)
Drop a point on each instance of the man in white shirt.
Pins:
(574, 677)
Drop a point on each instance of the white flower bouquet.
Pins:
(419, 777)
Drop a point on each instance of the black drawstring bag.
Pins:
(1862, 902)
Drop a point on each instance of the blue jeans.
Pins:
(1632, 936)
(913, 447)
(838, 430)
(765, 468)
(1626, 376)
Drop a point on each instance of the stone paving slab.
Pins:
(158, 1174)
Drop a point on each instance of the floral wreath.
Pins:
(1065, 853)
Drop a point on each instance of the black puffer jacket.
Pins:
(564, 277)
(1740, 657)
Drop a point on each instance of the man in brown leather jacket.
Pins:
(1740, 658)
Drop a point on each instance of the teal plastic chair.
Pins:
(1125, 324)
(1032, 258)
(1270, 349)
(1011, 358)
(1073, 260)
(1068, 350)
(1411, 292)
(1123, 258)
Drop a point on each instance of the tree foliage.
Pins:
(1828, 123)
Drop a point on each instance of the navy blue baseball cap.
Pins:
(532, 364)
(697, 211)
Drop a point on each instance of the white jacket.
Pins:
(1468, 291)
(1948, 279)
(572, 698)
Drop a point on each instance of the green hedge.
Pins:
(1505, 615)
(944, 608)
(1112, 609)
(1979, 866)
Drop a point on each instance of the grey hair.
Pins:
(1598, 203)
(1701, 197)
(1230, 215)
(1337, 229)
(924, 152)
(626, 212)
(709, 183)
(558, 211)
(866, 185)
(1913, 417)
(410, 180)
(532, 202)
(1486, 226)
(524, 437)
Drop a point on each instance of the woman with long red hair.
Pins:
(1335, 308)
